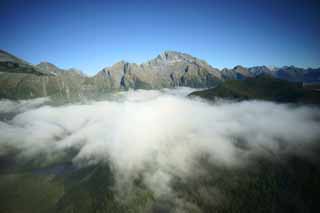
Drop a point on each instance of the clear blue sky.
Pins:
(92, 34)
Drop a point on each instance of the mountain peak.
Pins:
(271, 67)
(47, 65)
(239, 67)
(170, 55)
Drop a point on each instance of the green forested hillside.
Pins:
(261, 88)
(269, 183)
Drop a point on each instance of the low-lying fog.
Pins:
(160, 134)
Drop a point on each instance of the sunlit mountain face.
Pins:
(158, 151)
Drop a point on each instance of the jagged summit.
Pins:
(174, 55)
(168, 69)
(169, 56)
(239, 67)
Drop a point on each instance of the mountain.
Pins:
(21, 80)
(262, 87)
(11, 64)
(60, 84)
(169, 69)
(238, 73)
(288, 73)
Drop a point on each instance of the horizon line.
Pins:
(147, 60)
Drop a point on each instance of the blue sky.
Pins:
(90, 35)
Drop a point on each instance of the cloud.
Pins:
(8, 106)
(159, 134)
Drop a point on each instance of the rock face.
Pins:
(169, 69)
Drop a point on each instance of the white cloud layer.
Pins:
(9, 106)
(158, 133)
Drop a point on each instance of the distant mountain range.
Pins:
(289, 73)
(19, 79)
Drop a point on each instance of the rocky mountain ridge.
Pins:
(168, 69)
(11, 64)
(289, 73)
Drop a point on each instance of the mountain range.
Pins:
(20, 79)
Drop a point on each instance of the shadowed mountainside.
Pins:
(263, 87)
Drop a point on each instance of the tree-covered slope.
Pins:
(261, 88)
(272, 182)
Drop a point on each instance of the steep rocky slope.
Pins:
(169, 69)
